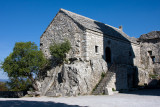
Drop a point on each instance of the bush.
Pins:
(102, 75)
(153, 76)
(59, 50)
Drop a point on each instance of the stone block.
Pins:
(108, 91)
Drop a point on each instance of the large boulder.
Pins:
(78, 78)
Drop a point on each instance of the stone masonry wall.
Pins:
(149, 49)
(119, 49)
(137, 56)
(62, 27)
(122, 53)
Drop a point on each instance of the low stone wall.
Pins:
(12, 94)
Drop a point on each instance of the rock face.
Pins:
(150, 35)
(78, 78)
(150, 52)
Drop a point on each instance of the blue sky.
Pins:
(26, 20)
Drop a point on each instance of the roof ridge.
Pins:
(67, 11)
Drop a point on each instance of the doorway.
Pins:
(108, 55)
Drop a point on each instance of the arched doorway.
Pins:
(108, 55)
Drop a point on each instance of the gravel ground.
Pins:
(142, 98)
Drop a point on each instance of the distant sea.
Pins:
(4, 80)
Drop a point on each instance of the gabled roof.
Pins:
(98, 26)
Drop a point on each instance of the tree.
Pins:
(24, 63)
(19, 84)
(59, 50)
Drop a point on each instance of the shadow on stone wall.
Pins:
(121, 53)
(153, 83)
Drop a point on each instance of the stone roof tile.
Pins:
(98, 26)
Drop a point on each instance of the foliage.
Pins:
(19, 84)
(95, 87)
(59, 50)
(103, 75)
(113, 89)
(24, 63)
(3, 86)
(153, 76)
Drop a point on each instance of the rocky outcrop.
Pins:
(77, 78)
(150, 52)
(150, 35)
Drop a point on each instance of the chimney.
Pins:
(121, 27)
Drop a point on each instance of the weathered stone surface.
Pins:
(107, 81)
(36, 93)
(143, 76)
(61, 28)
(150, 35)
(74, 79)
(108, 91)
(150, 52)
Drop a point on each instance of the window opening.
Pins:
(41, 44)
(96, 49)
(153, 59)
(108, 54)
(150, 53)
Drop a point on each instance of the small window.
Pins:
(153, 59)
(96, 49)
(156, 41)
(41, 44)
(150, 53)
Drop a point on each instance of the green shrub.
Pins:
(95, 87)
(102, 75)
(113, 89)
(153, 76)
(59, 50)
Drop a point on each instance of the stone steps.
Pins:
(106, 81)
(103, 83)
(115, 92)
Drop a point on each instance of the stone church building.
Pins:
(96, 49)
